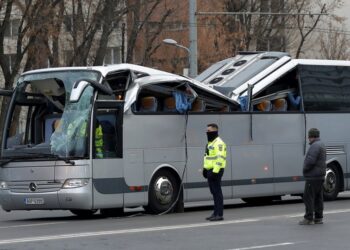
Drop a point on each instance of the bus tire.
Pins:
(112, 212)
(163, 191)
(83, 213)
(331, 185)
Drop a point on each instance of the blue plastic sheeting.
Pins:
(243, 101)
(294, 100)
(183, 102)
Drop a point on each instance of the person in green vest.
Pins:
(213, 169)
(78, 137)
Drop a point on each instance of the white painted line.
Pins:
(265, 246)
(336, 211)
(33, 225)
(154, 229)
(126, 231)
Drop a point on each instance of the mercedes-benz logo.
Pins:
(32, 187)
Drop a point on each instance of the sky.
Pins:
(345, 12)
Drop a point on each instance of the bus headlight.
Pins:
(75, 183)
(3, 185)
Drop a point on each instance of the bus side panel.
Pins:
(284, 132)
(134, 174)
(235, 132)
(288, 162)
(252, 170)
(108, 183)
(196, 187)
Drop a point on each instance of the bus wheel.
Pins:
(112, 212)
(84, 213)
(331, 185)
(162, 193)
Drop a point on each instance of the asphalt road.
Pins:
(245, 227)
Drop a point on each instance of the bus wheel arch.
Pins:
(334, 181)
(163, 191)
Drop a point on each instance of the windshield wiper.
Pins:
(65, 159)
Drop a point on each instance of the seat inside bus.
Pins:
(279, 105)
(169, 104)
(148, 104)
(264, 105)
(198, 105)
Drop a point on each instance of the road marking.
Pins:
(336, 211)
(265, 246)
(33, 225)
(125, 231)
(154, 229)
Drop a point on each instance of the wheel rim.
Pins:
(330, 181)
(164, 190)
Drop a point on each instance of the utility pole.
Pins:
(193, 38)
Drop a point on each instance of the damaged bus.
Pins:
(104, 138)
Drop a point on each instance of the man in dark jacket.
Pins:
(314, 172)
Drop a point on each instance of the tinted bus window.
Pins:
(325, 88)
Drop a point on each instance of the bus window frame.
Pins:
(118, 106)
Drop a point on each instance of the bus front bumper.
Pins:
(63, 199)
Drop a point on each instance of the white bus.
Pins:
(153, 154)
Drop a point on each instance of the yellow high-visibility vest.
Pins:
(82, 133)
(99, 141)
(216, 157)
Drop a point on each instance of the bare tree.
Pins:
(150, 38)
(302, 20)
(140, 14)
(44, 26)
(11, 68)
(276, 31)
(334, 43)
(112, 13)
(91, 26)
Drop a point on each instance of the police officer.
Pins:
(213, 169)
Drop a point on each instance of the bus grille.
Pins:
(41, 186)
(335, 150)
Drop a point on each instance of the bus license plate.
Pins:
(34, 201)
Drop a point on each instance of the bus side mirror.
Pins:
(77, 90)
(79, 86)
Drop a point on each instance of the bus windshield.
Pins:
(69, 137)
(43, 120)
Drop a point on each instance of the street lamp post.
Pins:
(174, 43)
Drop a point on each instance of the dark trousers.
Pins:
(214, 182)
(313, 199)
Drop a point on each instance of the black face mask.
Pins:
(212, 135)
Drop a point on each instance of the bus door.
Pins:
(107, 154)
